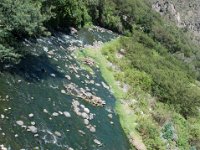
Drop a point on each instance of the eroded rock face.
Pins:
(185, 13)
(167, 9)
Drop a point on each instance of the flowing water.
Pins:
(32, 102)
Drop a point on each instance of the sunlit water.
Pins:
(31, 93)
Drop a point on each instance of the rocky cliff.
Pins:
(185, 13)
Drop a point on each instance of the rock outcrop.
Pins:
(185, 13)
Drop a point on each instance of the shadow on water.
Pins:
(33, 68)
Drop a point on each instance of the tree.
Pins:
(18, 18)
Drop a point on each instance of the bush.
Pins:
(150, 134)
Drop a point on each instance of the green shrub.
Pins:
(150, 134)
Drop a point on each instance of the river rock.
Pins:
(80, 131)
(57, 133)
(2, 147)
(86, 121)
(16, 135)
(110, 116)
(45, 111)
(68, 77)
(63, 91)
(67, 114)
(84, 115)
(2, 116)
(111, 122)
(86, 110)
(91, 116)
(97, 142)
(55, 114)
(31, 115)
(60, 112)
(33, 129)
(33, 123)
(45, 49)
(75, 103)
(70, 148)
(92, 129)
(53, 75)
(82, 106)
(51, 53)
(20, 122)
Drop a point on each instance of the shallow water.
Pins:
(31, 92)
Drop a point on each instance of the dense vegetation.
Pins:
(155, 56)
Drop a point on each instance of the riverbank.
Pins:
(126, 114)
(147, 122)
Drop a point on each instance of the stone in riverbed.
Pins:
(67, 114)
(111, 122)
(70, 148)
(86, 110)
(110, 116)
(2, 147)
(16, 135)
(57, 133)
(55, 114)
(63, 91)
(53, 75)
(91, 116)
(82, 106)
(20, 122)
(92, 129)
(84, 115)
(45, 111)
(60, 112)
(80, 131)
(2, 116)
(33, 129)
(31, 115)
(86, 121)
(33, 123)
(97, 142)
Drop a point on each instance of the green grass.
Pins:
(127, 118)
(142, 116)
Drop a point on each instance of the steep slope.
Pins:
(185, 13)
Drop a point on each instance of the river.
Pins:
(36, 113)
